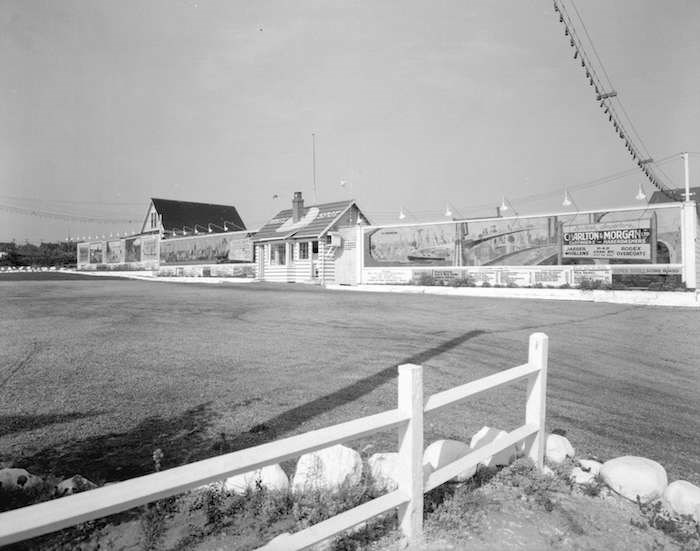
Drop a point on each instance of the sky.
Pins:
(415, 105)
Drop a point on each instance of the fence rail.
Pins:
(43, 518)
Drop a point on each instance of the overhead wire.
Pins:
(643, 160)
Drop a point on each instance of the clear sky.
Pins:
(104, 104)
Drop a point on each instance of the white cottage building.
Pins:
(302, 244)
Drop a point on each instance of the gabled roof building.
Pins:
(175, 218)
(301, 244)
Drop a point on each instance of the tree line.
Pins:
(45, 254)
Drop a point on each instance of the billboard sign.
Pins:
(621, 240)
(114, 252)
(132, 249)
(95, 253)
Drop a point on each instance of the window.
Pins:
(154, 220)
(314, 247)
(329, 239)
(278, 254)
(303, 251)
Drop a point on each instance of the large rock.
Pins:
(487, 435)
(579, 476)
(683, 498)
(270, 477)
(327, 469)
(384, 469)
(18, 479)
(558, 448)
(632, 476)
(443, 452)
(73, 485)
(590, 466)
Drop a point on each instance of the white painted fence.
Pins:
(50, 516)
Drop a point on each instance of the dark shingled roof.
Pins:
(176, 214)
(315, 219)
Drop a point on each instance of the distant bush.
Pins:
(425, 278)
(463, 282)
(486, 284)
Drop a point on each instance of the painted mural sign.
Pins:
(495, 242)
(132, 249)
(387, 277)
(148, 248)
(95, 253)
(83, 254)
(207, 249)
(581, 274)
(113, 252)
(620, 240)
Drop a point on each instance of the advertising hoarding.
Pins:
(207, 249)
(83, 254)
(95, 253)
(132, 249)
(619, 240)
(113, 253)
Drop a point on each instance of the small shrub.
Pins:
(681, 528)
(485, 284)
(512, 284)
(463, 282)
(538, 285)
(425, 278)
(565, 286)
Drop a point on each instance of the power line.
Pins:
(644, 160)
(68, 201)
(65, 216)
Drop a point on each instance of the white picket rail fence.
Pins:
(42, 518)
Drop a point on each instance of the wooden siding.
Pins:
(294, 270)
(326, 261)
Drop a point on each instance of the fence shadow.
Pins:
(10, 424)
(185, 438)
(118, 456)
(289, 420)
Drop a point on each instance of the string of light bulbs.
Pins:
(604, 97)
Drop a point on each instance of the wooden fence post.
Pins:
(411, 451)
(537, 397)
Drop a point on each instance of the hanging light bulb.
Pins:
(583, 62)
(640, 194)
(575, 54)
(566, 202)
(448, 212)
(402, 214)
(566, 31)
(571, 42)
(504, 207)
(561, 18)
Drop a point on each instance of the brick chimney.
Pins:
(297, 207)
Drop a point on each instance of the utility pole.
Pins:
(687, 176)
(313, 152)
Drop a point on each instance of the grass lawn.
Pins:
(96, 373)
